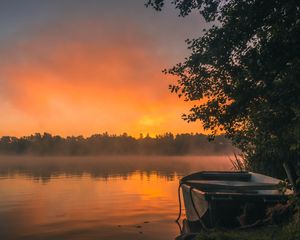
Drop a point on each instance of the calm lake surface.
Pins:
(102, 198)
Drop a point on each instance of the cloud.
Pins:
(78, 77)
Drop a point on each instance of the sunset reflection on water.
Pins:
(136, 204)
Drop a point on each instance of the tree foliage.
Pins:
(106, 144)
(247, 67)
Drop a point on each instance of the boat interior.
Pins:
(232, 182)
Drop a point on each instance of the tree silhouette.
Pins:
(247, 67)
(105, 144)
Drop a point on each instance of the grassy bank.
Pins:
(290, 231)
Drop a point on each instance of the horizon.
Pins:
(123, 145)
(143, 135)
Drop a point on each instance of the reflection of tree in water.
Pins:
(103, 168)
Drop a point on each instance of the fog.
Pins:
(104, 167)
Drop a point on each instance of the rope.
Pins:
(179, 200)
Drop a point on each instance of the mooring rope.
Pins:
(179, 200)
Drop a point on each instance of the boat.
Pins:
(229, 199)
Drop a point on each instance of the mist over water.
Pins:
(111, 197)
(104, 167)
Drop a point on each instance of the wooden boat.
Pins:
(229, 199)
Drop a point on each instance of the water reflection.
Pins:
(45, 168)
(93, 198)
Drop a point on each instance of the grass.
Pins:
(290, 231)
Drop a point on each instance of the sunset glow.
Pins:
(72, 76)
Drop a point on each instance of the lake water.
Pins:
(86, 198)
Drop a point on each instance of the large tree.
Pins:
(247, 68)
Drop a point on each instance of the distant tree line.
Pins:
(106, 144)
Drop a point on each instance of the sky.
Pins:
(79, 67)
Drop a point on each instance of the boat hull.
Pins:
(230, 203)
(195, 203)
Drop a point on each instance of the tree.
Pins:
(247, 68)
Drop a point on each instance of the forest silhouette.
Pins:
(106, 144)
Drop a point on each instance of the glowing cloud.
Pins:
(85, 77)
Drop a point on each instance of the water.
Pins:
(94, 197)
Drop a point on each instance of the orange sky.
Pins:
(79, 77)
